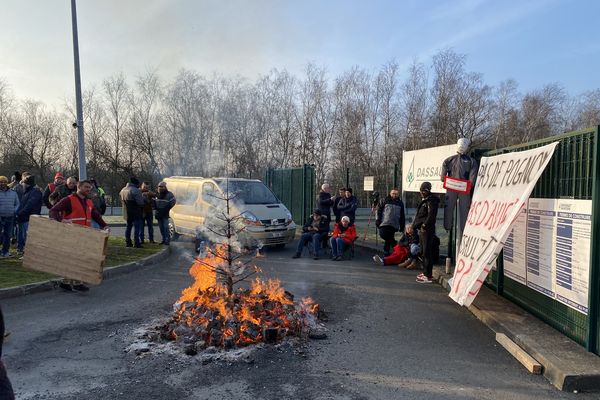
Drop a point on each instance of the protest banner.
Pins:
(504, 183)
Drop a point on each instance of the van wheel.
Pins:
(172, 230)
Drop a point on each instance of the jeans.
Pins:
(138, 226)
(6, 231)
(306, 238)
(163, 226)
(147, 221)
(22, 235)
(337, 246)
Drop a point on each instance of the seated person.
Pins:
(313, 231)
(404, 253)
(343, 235)
(411, 239)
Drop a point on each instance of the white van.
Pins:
(266, 221)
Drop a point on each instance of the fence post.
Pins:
(593, 293)
(395, 175)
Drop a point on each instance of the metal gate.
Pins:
(295, 187)
(573, 173)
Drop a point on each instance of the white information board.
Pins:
(515, 248)
(368, 183)
(549, 250)
(541, 228)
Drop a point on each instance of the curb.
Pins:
(111, 272)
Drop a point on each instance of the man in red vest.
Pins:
(77, 208)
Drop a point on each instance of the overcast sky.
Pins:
(533, 42)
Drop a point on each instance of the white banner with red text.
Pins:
(503, 185)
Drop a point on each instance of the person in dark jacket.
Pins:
(62, 191)
(98, 197)
(163, 202)
(336, 202)
(313, 231)
(324, 201)
(133, 203)
(390, 219)
(31, 204)
(424, 223)
(147, 211)
(6, 390)
(348, 205)
(9, 203)
(51, 187)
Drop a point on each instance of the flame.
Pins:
(207, 312)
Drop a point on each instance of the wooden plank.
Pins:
(67, 250)
(530, 363)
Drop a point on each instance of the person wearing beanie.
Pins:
(31, 204)
(313, 231)
(133, 206)
(348, 205)
(51, 187)
(62, 191)
(424, 223)
(344, 234)
(9, 203)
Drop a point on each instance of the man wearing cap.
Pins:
(424, 223)
(313, 231)
(31, 204)
(133, 203)
(9, 203)
(51, 187)
(64, 190)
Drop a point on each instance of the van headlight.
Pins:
(250, 219)
(288, 218)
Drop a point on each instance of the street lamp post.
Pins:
(79, 105)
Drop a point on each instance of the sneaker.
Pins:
(424, 279)
(377, 259)
(421, 275)
(129, 245)
(65, 286)
(297, 255)
(338, 258)
(81, 287)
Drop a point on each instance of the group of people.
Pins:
(139, 205)
(417, 239)
(316, 230)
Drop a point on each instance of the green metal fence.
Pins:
(573, 173)
(295, 187)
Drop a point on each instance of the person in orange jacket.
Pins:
(343, 235)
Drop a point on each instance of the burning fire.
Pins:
(211, 313)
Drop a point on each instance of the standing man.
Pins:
(390, 219)
(163, 202)
(324, 201)
(348, 205)
(77, 208)
(98, 197)
(147, 212)
(31, 204)
(9, 203)
(336, 203)
(425, 224)
(58, 180)
(63, 191)
(133, 203)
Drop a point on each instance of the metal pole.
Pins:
(347, 177)
(79, 122)
(395, 175)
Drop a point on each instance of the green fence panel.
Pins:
(572, 173)
(295, 188)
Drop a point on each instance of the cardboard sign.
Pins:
(66, 250)
(504, 183)
(462, 186)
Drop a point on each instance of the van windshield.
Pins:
(248, 192)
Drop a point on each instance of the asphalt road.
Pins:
(388, 338)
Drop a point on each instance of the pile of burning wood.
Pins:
(212, 313)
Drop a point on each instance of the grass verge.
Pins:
(12, 272)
